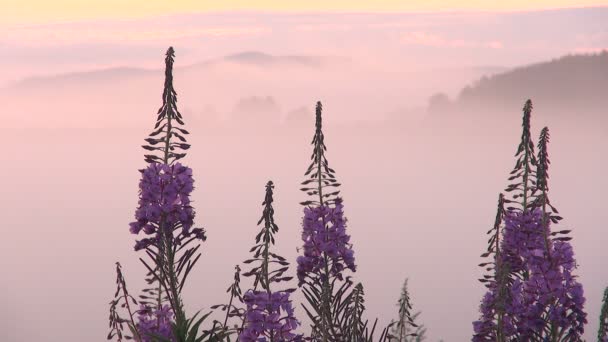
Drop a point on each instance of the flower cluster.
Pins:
(324, 234)
(485, 328)
(269, 314)
(548, 292)
(155, 323)
(164, 201)
(551, 292)
(508, 300)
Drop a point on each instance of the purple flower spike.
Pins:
(155, 322)
(164, 195)
(548, 292)
(324, 231)
(269, 314)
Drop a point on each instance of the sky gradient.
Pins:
(42, 11)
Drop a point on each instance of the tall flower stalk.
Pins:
(355, 327)
(498, 281)
(523, 173)
(164, 211)
(165, 216)
(564, 312)
(232, 309)
(495, 322)
(533, 294)
(269, 314)
(405, 329)
(123, 299)
(327, 251)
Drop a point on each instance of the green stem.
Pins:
(525, 192)
(179, 313)
(228, 309)
(265, 268)
(500, 325)
(126, 300)
(326, 319)
(525, 178)
(553, 329)
(162, 223)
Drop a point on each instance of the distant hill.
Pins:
(100, 76)
(260, 58)
(252, 58)
(571, 83)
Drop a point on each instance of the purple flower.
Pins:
(485, 328)
(269, 314)
(164, 199)
(326, 243)
(548, 292)
(155, 322)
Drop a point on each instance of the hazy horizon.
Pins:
(411, 41)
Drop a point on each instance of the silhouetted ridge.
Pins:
(570, 82)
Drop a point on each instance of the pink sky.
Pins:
(408, 41)
(41, 11)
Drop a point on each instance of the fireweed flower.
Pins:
(269, 314)
(505, 300)
(165, 216)
(164, 194)
(485, 328)
(551, 292)
(155, 322)
(334, 305)
(324, 233)
(533, 294)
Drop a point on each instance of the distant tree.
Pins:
(439, 102)
(298, 117)
(261, 110)
(563, 84)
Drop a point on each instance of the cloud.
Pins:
(422, 38)
(495, 44)
(100, 33)
(323, 27)
(435, 40)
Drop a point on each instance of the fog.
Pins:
(420, 186)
